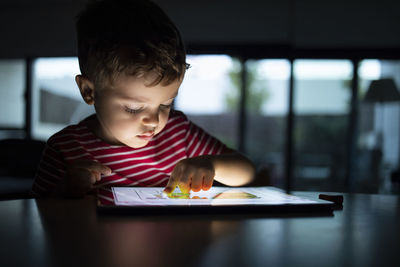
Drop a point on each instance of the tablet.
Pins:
(152, 200)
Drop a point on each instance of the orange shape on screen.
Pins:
(235, 195)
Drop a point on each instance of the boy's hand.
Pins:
(192, 174)
(80, 177)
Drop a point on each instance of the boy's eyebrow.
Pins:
(142, 99)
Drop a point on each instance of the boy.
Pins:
(132, 61)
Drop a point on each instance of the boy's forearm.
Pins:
(233, 169)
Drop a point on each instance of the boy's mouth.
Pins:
(146, 136)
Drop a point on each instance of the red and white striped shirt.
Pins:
(150, 165)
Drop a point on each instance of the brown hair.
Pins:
(133, 37)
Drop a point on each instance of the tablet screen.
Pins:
(216, 196)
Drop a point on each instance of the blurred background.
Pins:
(288, 83)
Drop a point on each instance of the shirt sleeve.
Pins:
(199, 142)
(50, 171)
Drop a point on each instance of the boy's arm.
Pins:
(57, 178)
(232, 168)
(79, 178)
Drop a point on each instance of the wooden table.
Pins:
(57, 232)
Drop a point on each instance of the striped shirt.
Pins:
(150, 165)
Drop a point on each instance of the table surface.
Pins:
(64, 232)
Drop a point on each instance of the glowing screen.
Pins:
(153, 196)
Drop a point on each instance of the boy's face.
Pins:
(129, 112)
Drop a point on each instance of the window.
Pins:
(12, 89)
(321, 104)
(56, 98)
(209, 95)
(12, 101)
(267, 108)
(378, 130)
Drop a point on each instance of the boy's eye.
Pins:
(136, 111)
(133, 111)
(166, 106)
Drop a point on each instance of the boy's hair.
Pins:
(133, 37)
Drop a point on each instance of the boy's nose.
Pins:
(151, 119)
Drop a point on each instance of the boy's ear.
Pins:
(86, 87)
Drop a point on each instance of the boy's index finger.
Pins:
(172, 183)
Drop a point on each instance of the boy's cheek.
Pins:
(163, 123)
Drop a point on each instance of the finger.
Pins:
(100, 168)
(184, 182)
(92, 178)
(172, 183)
(170, 186)
(98, 176)
(208, 181)
(185, 185)
(197, 182)
(95, 177)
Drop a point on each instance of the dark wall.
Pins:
(46, 28)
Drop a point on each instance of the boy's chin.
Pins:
(137, 144)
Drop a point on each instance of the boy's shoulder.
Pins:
(176, 120)
(71, 132)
